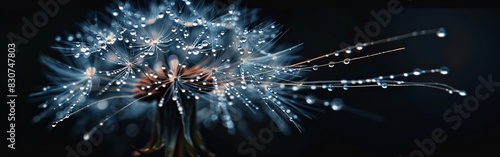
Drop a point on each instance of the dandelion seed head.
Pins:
(189, 59)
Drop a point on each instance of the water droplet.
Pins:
(243, 39)
(330, 87)
(347, 61)
(174, 98)
(331, 64)
(103, 45)
(359, 46)
(310, 99)
(441, 32)
(98, 37)
(196, 52)
(384, 85)
(204, 43)
(315, 67)
(102, 105)
(313, 87)
(449, 91)
(78, 44)
(133, 32)
(348, 50)
(120, 37)
(337, 104)
(444, 70)
(86, 136)
(78, 35)
(345, 87)
(462, 93)
(326, 103)
(417, 71)
(161, 15)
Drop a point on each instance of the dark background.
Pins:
(471, 49)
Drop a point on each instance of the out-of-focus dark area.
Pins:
(470, 50)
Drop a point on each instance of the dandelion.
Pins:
(197, 64)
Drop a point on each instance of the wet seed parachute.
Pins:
(192, 63)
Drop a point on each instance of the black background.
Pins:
(471, 49)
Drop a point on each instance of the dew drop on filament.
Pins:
(441, 32)
(331, 64)
(444, 70)
(315, 67)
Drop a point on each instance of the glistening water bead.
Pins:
(441, 32)
(331, 64)
(347, 61)
(359, 46)
(337, 104)
(315, 67)
(345, 86)
(310, 99)
(443, 70)
(197, 66)
(383, 85)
